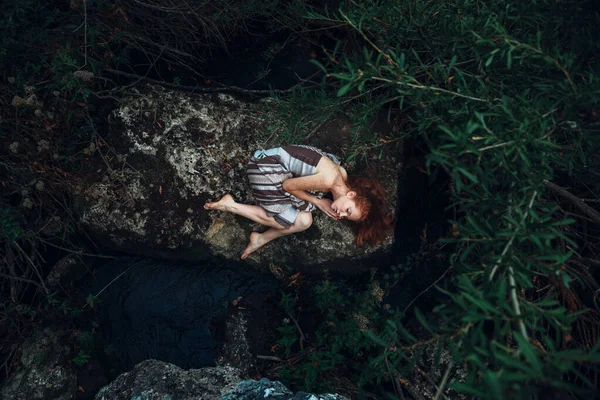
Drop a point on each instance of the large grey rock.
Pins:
(157, 380)
(43, 373)
(172, 151)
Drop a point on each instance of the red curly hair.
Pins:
(376, 221)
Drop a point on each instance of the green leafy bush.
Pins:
(340, 345)
(85, 343)
(10, 224)
(504, 94)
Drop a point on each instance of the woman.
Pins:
(285, 183)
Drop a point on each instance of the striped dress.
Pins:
(268, 169)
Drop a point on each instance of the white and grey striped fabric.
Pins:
(268, 169)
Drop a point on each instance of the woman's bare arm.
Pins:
(322, 204)
(302, 195)
(317, 181)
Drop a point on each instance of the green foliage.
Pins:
(293, 116)
(341, 343)
(91, 300)
(10, 224)
(504, 94)
(81, 358)
(298, 116)
(41, 357)
(85, 343)
(63, 67)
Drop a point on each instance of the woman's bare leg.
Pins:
(258, 240)
(254, 213)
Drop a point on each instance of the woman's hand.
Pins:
(325, 206)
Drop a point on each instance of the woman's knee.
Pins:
(303, 221)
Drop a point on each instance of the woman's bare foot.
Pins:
(225, 204)
(254, 244)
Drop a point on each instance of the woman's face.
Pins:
(345, 207)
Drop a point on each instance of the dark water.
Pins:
(422, 205)
(163, 310)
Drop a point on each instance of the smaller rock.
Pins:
(27, 203)
(39, 185)
(362, 322)
(44, 373)
(29, 101)
(377, 292)
(14, 147)
(17, 101)
(265, 389)
(62, 271)
(43, 145)
(85, 76)
(153, 379)
(236, 350)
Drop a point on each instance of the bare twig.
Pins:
(510, 242)
(76, 252)
(316, 128)
(302, 338)
(440, 389)
(35, 269)
(270, 358)
(576, 201)
(414, 394)
(429, 287)
(482, 149)
(200, 89)
(432, 88)
(117, 277)
(387, 56)
(18, 278)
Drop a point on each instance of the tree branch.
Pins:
(576, 201)
(200, 89)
